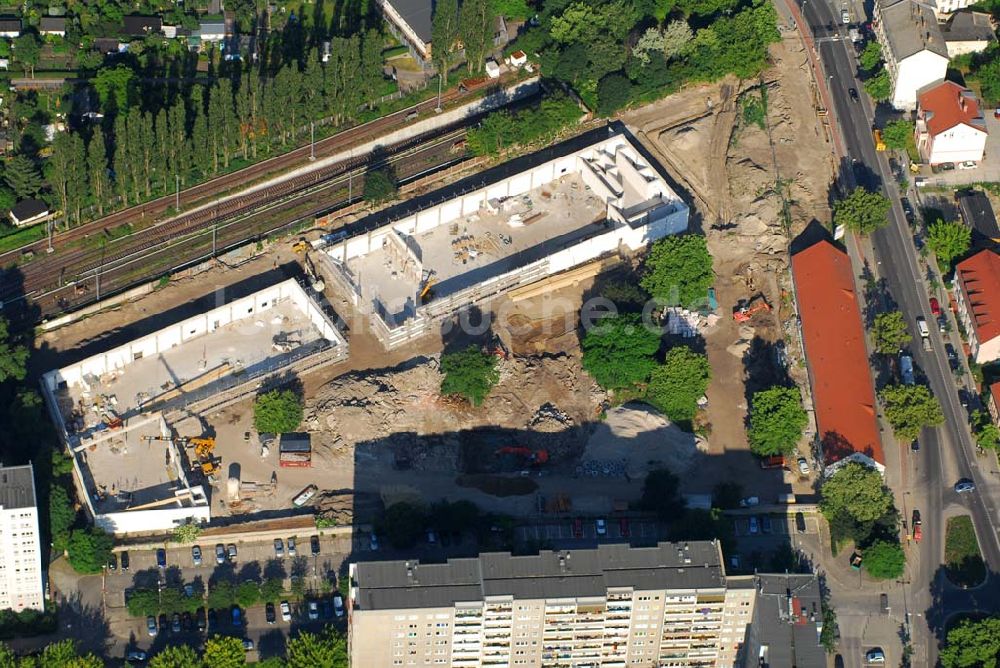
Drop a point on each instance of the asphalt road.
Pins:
(947, 453)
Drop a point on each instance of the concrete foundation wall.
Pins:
(136, 521)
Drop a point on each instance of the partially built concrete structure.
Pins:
(113, 410)
(422, 262)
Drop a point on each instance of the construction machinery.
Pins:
(315, 282)
(208, 463)
(747, 309)
(425, 289)
(300, 246)
(532, 457)
(879, 142)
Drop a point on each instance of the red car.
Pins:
(578, 527)
(935, 306)
(623, 527)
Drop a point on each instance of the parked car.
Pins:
(199, 617)
(175, 623)
(164, 622)
(213, 619)
(151, 626)
(968, 164)
(803, 466)
(236, 615)
(220, 554)
(113, 562)
(624, 528)
(326, 607)
(373, 542)
(765, 524)
(231, 551)
(800, 522)
(601, 526)
(279, 548)
(753, 526)
(313, 608)
(935, 306)
(942, 321)
(875, 656)
(187, 621)
(290, 542)
(247, 645)
(338, 604)
(314, 545)
(578, 527)
(125, 561)
(965, 485)
(286, 612)
(136, 655)
(269, 614)
(431, 537)
(196, 555)
(161, 558)
(907, 210)
(749, 502)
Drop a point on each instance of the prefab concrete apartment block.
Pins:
(424, 261)
(112, 410)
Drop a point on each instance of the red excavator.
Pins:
(746, 310)
(534, 457)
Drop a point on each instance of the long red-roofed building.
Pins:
(834, 339)
(977, 296)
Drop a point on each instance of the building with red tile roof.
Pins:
(950, 125)
(977, 299)
(834, 339)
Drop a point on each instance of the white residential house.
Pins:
(29, 211)
(212, 31)
(977, 298)
(20, 549)
(10, 28)
(950, 125)
(912, 46)
(52, 25)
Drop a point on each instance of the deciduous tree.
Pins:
(224, 652)
(776, 421)
(898, 134)
(889, 332)
(22, 176)
(972, 643)
(380, 186)
(857, 490)
(444, 32)
(277, 412)
(308, 650)
(142, 602)
(27, 50)
(618, 351)
(871, 56)
(948, 240)
(661, 494)
(678, 270)
(884, 560)
(62, 516)
(89, 550)
(476, 26)
(862, 211)
(176, 656)
(469, 373)
(879, 87)
(677, 384)
(985, 430)
(910, 408)
(402, 524)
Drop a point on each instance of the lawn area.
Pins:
(963, 561)
(11, 238)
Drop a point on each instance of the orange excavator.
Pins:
(747, 309)
(208, 463)
(535, 457)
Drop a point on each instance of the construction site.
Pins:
(115, 411)
(421, 263)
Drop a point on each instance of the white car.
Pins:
(286, 612)
(602, 527)
(338, 604)
(749, 502)
(968, 164)
(803, 466)
(313, 610)
(875, 656)
(754, 528)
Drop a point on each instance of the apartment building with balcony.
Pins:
(613, 606)
(913, 48)
(20, 550)
(976, 290)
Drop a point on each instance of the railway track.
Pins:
(181, 242)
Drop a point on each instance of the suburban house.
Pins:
(52, 25)
(212, 30)
(140, 26)
(912, 46)
(10, 28)
(977, 298)
(977, 214)
(29, 211)
(968, 32)
(950, 126)
(834, 339)
(410, 22)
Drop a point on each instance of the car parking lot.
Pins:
(579, 531)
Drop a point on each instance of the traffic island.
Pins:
(963, 561)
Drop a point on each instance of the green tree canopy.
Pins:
(380, 186)
(676, 385)
(402, 524)
(618, 351)
(889, 332)
(776, 421)
(898, 134)
(948, 240)
(221, 595)
(857, 490)
(444, 32)
(613, 93)
(972, 643)
(309, 650)
(22, 176)
(89, 550)
(861, 211)
(63, 654)
(910, 408)
(247, 594)
(678, 270)
(13, 359)
(62, 515)
(187, 532)
(271, 590)
(985, 430)
(277, 412)
(661, 494)
(27, 50)
(469, 373)
(871, 56)
(115, 88)
(884, 560)
(142, 602)
(176, 656)
(879, 87)
(224, 652)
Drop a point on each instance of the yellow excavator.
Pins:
(203, 447)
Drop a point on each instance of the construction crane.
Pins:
(203, 447)
(746, 310)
